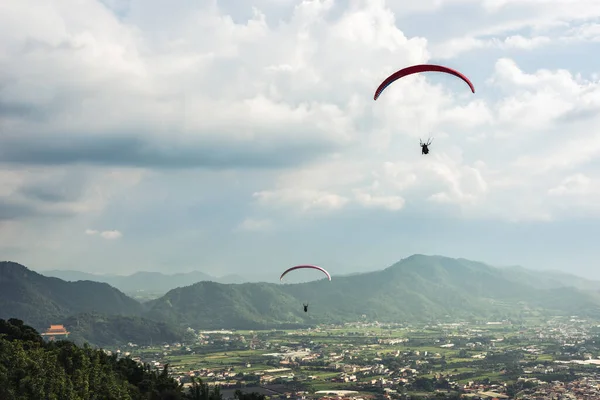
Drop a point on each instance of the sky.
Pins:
(242, 137)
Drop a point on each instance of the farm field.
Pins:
(441, 361)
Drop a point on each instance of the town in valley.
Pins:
(554, 359)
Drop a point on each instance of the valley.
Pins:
(492, 359)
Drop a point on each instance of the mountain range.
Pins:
(416, 289)
(143, 281)
(145, 285)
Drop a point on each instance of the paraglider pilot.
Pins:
(425, 146)
(305, 307)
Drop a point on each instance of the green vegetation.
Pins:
(33, 369)
(41, 301)
(405, 361)
(417, 361)
(113, 330)
(143, 285)
(417, 289)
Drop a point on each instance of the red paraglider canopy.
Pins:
(420, 68)
(305, 266)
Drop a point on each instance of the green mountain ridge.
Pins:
(217, 305)
(551, 279)
(42, 300)
(93, 312)
(138, 281)
(416, 289)
(144, 284)
(109, 330)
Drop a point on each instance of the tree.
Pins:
(248, 396)
(424, 384)
(201, 391)
(32, 368)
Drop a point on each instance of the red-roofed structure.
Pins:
(56, 332)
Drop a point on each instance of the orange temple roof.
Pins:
(56, 330)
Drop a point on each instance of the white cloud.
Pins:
(108, 235)
(577, 184)
(522, 25)
(308, 89)
(530, 122)
(291, 94)
(111, 235)
(577, 195)
(62, 191)
(589, 32)
(392, 203)
(455, 47)
(254, 225)
(302, 199)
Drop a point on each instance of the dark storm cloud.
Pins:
(20, 110)
(10, 210)
(132, 151)
(32, 112)
(45, 194)
(37, 198)
(66, 190)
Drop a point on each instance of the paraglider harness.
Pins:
(425, 146)
(305, 307)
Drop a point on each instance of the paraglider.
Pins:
(414, 70)
(425, 146)
(417, 69)
(303, 267)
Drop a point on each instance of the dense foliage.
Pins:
(31, 368)
(115, 330)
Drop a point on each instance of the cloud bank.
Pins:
(202, 128)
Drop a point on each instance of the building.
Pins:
(56, 332)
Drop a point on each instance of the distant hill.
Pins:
(39, 300)
(418, 288)
(93, 312)
(233, 278)
(139, 281)
(73, 276)
(216, 305)
(150, 285)
(550, 279)
(111, 330)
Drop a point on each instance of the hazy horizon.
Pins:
(300, 275)
(232, 137)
